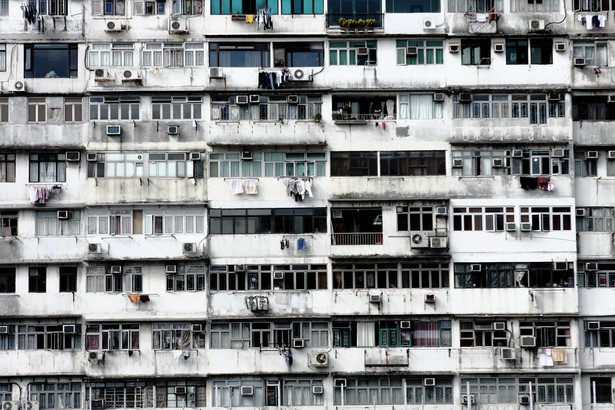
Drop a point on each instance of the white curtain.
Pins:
(366, 334)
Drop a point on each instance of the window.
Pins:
(50, 395)
(73, 109)
(373, 108)
(171, 222)
(51, 7)
(595, 53)
(603, 276)
(517, 51)
(176, 108)
(4, 109)
(475, 52)
(243, 6)
(106, 279)
(120, 394)
(535, 6)
(511, 162)
(37, 109)
(302, 6)
(51, 60)
(540, 51)
(111, 55)
(263, 277)
(46, 337)
(112, 336)
(506, 389)
(268, 164)
(4, 11)
(392, 163)
(48, 167)
(118, 222)
(298, 54)
(427, 52)
(594, 5)
(596, 219)
(509, 106)
(548, 334)
(68, 278)
(269, 108)
(418, 393)
(353, 9)
(475, 6)
(8, 223)
(48, 223)
(491, 219)
(365, 391)
(413, 6)
(298, 392)
(421, 333)
(415, 218)
(167, 165)
(7, 281)
(419, 107)
(242, 335)
(592, 108)
(166, 395)
(187, 278)
(178, 336)
(173, 55)
(600, 388)
(239, 54)
(6, 389)
(149, 7)
(114, 108)
(109, 7)
(481, 333)
(139, 165)
(7, 167)
(262, 220)
(2, 49)
(188, 7)
(510, 275)
(604, 336)
(585, 165)
(37, 280)
(352, 52)
(547, 218)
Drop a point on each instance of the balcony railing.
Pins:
(333, 19)
(357, 238)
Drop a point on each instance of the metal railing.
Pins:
(357, 238)
(333, 19)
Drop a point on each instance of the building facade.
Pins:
(307, 204)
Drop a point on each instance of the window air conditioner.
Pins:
(555, 97)
(114, 26)
(457, 162)
(429, 24)
(465, 97)
(339, 382)
(241, 99)
(170, 269)
(73, 156)
(15, 86)
(557, 152)
(591, 154)
(196, 328)
(591, 266)
(94, 248)
(189, 247)
(511, 226)
(318, 389)
(467, 399)
(69, 329)
(438, 242)
(180, 390)
(498, 162)
(526, 227)
(10, 405)
(580, 211)
(454, 47)
(215, 72)
(255, 98)
(610, 98)
(114, 130)
(508, 353)
(292, 99)
(179, 27)
(475, 267)
(115, 269)
(429, 381)
(62, 214)
(195, 156)
(611, 154)
(527, 341)
(430, 298)
(4, 330)
(517, 153)
(362, 51)
(419, 240)
(498, 47)
(498, 325)
(278, 275)
(560, 266)
(438, 97)
(91, 157)
(560, 46)
(375, 298)
(535, 25)
(411, 51)
(173, 129)
(246, 155)
(336, 213)
(524, 399)
(319, 359)
(578, 62)
(101, 74)
(240, 268)
(441, 210)
(405, 324)
(592, 325)
(298, 343)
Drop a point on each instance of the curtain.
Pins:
(366, 334)
(426, 334)
(421, 107)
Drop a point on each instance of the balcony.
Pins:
(357, 238)
(355, 22)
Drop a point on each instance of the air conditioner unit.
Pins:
(419, 240)
(240, 268)
(375, 298)
(189, 247)
(241, 100)
(454, 47)
(115, 269)
(4, 330)
(339, 382)
(457, 162)
(591, 266)
(555, 97)
(319, 359)
(580, 211)
(498, 47)
(527, 341)
(179, 27)
(475, 267)
(560, 46)
(498, 162)
(362, 51)
(429, 24)
(526, 227)
(535, 25)
(610, 98)
(62, 214)
(524, 399)
(292, 99)
(278, 275)
(180, 390)
(300, 75)
(336, 213)
(15, 86)
(498, 326)
(441, 210)
(468, 399)
(611, 154)
(73, 156)
(131, 76)
(578, 62)
(246, 155)
(11, 405)
(405, 324)
(591, 154)
(318, 389)
(511, 227)
(170, 269)
(254, 98)
(558, 152)
(560, 266)
(430, 298)
(96, 356)
(411, 51)
(30, 405)
(429, 381)
(508, 353)
(517, 153)
(216, 72)
(114, 26)
(465, 97)
(114, 130)
(298, 343)
(197, 327)
(195, 156)
(173, 130)
(91, 157)
(101, 74)
(592, 325)
(94, 248)
(246, 390)
(69, 329)
(438, 242)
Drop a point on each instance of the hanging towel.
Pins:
(249, 186)
(236, 186)
(249, 18)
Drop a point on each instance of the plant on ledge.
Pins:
(356, 24)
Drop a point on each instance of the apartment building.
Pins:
(307, 204)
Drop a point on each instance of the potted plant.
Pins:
(370, 23)
(342, 22)
(317, 117)
(337, 116)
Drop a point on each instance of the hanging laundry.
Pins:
(236, 186)
(249, 186)
(602, 21)
(249, 18)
